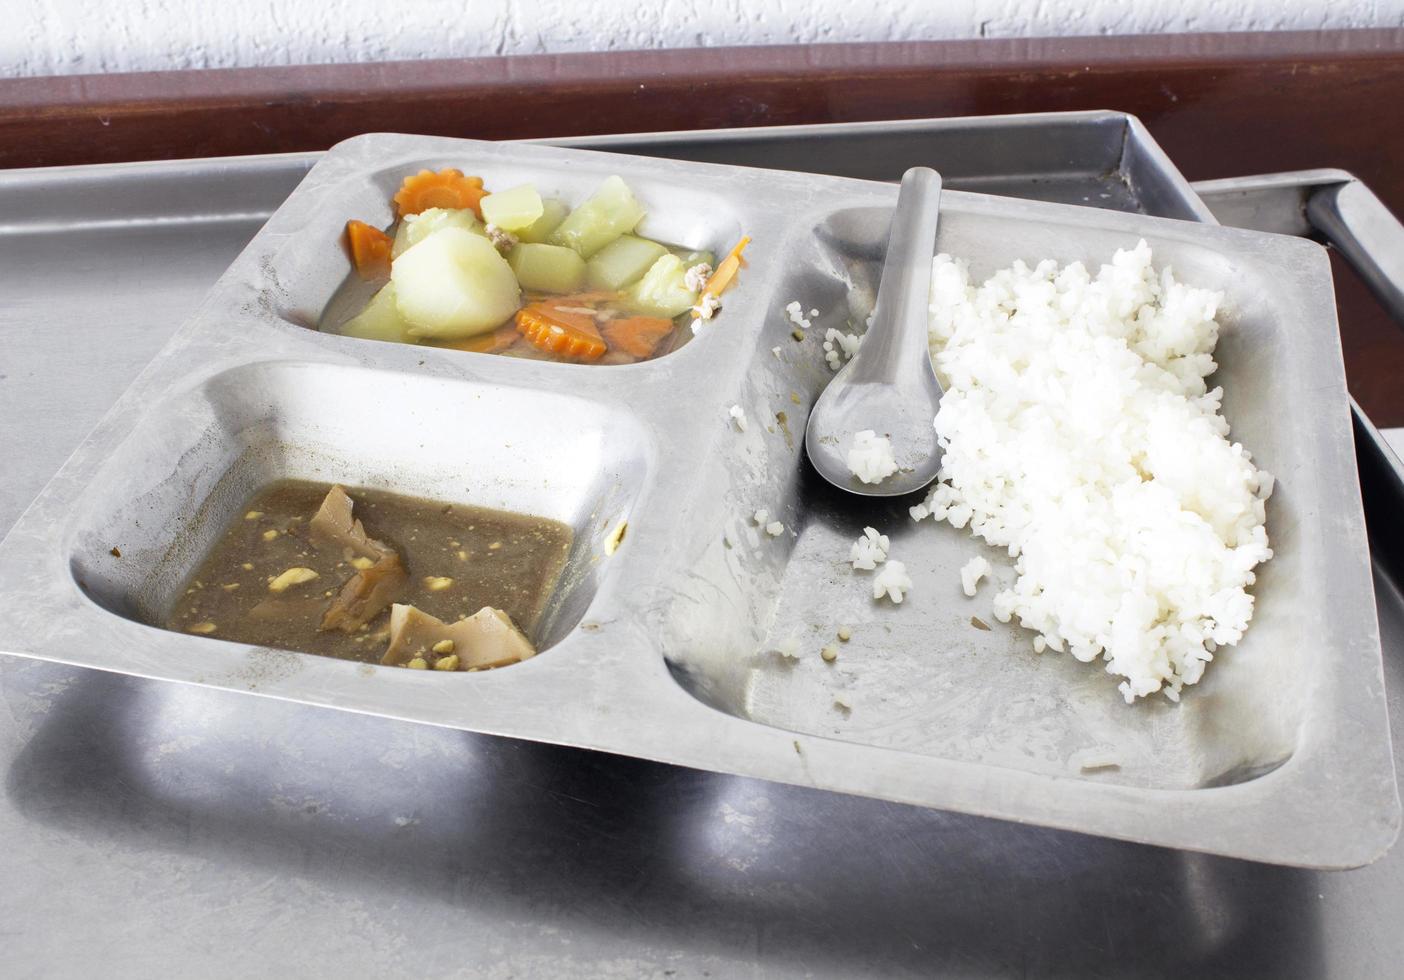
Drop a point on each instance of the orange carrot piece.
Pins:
(726, 271)
(446, 189)
(486, 343)
(637, 335)
(571, 335)
(370, 249)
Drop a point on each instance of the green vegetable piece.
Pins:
(380, 320)
(417, 227)
(622, 262)
(604, 216)
(547, 268)
(553, 212)
(661, 291)
(453, 285)
(514, 209)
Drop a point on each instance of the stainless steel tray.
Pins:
(182, 820)
(663, 650)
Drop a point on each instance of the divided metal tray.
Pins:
(663, 651)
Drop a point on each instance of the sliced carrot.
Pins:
(446, 189)
(637, 335)
(726, 271)
(370, 249)
(556, 331)
(486, 343)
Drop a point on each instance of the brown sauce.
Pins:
(458, 559)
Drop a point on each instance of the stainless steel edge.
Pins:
(1355, 221)
(1100, 158)
(1329, 203)
(1334, 205)
(1096, 157)
(1270, 202)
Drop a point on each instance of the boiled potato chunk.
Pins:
(453, 285)
(622, 262)
(380, 320)
(514, 209)
(661, 291)
(414, 228)
(604, 216)
(547, 268)
(553, 212)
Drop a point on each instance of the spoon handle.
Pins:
(903, 304)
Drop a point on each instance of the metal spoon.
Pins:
(889, 385)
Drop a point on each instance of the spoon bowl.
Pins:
(889, 387)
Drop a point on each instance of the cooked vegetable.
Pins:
(454, 284)
(417, 227)
(462, 262)
(380, 320)
(547, 268)
(401, 241)
(487, 343)
(637, 335)
(370, 249)
(559, 331)
(553, 212)
(446, 189)
(726, 271)
(514, 209)
(661, 291)
(486, 639)
(622, 262)
(604, 216)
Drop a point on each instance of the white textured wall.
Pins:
(45, 37)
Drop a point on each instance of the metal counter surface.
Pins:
(156, 828)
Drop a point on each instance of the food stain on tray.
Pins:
(377, 577)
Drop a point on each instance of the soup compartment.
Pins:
(187, 471)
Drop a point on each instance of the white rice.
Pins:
(839, 347)
(789, 648)
(869, 551)
(738, 417)
(706, 307)
(775, 529)
(893, 582)
(795, 312)
(1079, 435)
(695, 278)
(870, 457)
(971, 573)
